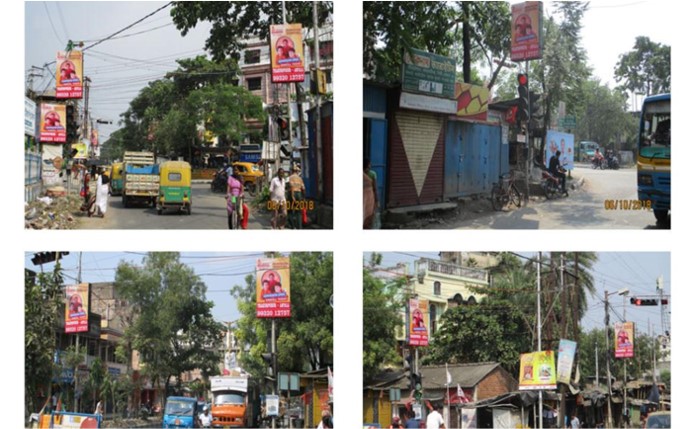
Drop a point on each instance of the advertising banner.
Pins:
(428, 74)
(468, 418)
(537, 371)
(77, 308)
(567, 352)
(287, 57)
(82, 150)
(563, 143)
(273, 288)
(526, 31)
(29, 117)
(472, 101)
(53, 123)
(417, 325)
(69, 69)
(52, 164)
(623, 344)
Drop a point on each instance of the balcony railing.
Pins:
(450, 269)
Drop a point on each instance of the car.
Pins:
(251, 175)
(658, 419)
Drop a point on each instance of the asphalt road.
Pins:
(583, 208)
(208, 212)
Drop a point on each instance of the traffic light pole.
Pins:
(608, 351)
(527, 167)
(273, 365)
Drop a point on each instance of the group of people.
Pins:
(434, 420)
(285, 192)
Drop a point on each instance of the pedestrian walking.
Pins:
(277, 195)
(435, 419)
(297, 197)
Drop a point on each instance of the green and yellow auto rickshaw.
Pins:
(116, 179)
(175, 191)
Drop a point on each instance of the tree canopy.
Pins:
(173, 328)
(646, 69)
(234, 22)
(305, 340)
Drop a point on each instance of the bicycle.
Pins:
(235, 211)
(505, 192)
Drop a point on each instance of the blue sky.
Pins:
(614, 271)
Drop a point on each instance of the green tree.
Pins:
(646, 69)
(382, 308)
(234, 22)
(43, 299)
(305, 340)
(563, 67)
(173, 328)
(488, 331)
(605, 118)
(391, 27)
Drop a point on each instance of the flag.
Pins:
(460, 394)
(448, 376)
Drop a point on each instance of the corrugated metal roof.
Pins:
(467, 375)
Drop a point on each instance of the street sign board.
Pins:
(429, 74)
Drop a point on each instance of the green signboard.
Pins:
(567, 122)
(428, 74)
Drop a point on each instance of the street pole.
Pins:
(562, 387)
(274, 369)
(528, 147)
(317, 113)
(626, 411)
(609, 376)
(539, 328)
(597, 367)
(290, 107)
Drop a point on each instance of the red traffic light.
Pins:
(643, 301)
(522, 79)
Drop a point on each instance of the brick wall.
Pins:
(496, 383)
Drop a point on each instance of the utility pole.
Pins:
(539, 330)
(597, 367)
(317, 112)
(290, 107)
(562, 289)
(609, 376)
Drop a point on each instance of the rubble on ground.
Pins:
(55, 210)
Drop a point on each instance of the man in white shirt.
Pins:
(205, 418)
(435, 419)
(277, 195)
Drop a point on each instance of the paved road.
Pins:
(584, 208)
(208, 212)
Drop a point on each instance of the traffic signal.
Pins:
(417, 386)
(523, 113)
(72, 125)
(41, 258)
(270, 361)
(283, 127)
(643, 301)
(536, 113)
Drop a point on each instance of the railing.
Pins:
(454, 270)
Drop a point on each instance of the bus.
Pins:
(654, 154)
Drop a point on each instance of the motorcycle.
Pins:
(612, 162)
(600, 163)
(550, 184)
(219, 183)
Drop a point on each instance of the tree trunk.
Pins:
(466, 42)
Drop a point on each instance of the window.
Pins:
(254, 84)
(252, 57)
(437, 288)
(174, 177)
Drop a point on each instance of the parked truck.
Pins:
(235, 401)
(140, 178)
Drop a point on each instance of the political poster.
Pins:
(69, 74)
(537, 371)
(429, 74)
(623, 343)
(526, 31)
(52, 127)
(77, 308)
(418, 322)
(273, 288)
(564, 144)
(287, 57)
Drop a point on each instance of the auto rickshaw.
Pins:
(116, 179)
(175, 189)
(251, 175)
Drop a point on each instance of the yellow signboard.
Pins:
(538, 371)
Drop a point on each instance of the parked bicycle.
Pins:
(505, 192)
